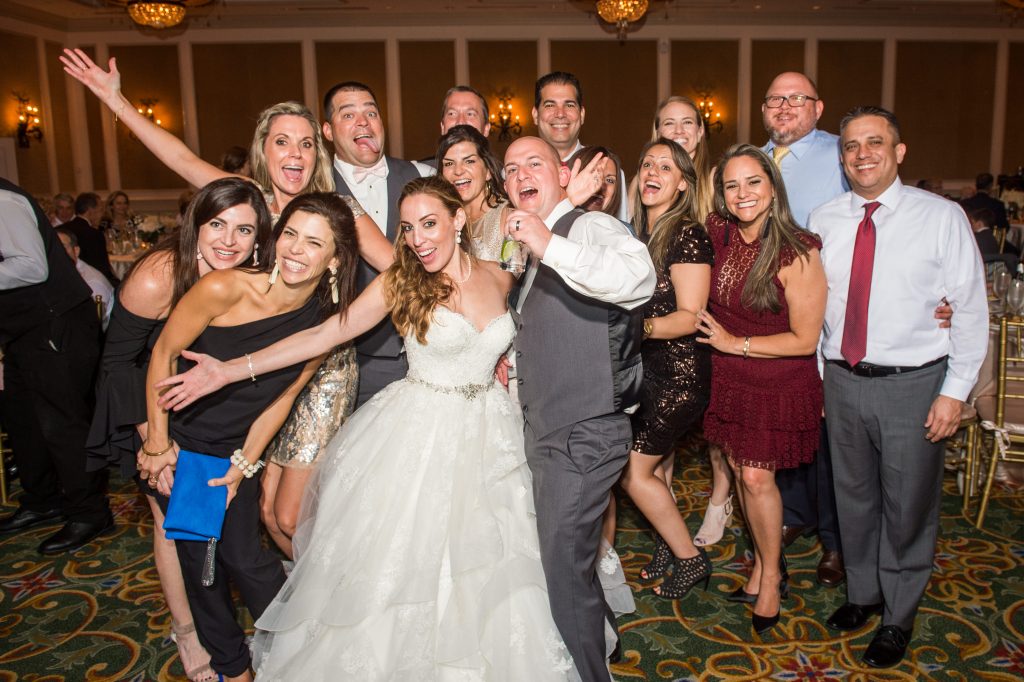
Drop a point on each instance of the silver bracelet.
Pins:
(252, 374)
(247, 468)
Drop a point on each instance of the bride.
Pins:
(417, 553)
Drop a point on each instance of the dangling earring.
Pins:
(273, 274)
(256, 254)
(458, 236)
(333, 281)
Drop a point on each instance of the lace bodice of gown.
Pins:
(458, 357)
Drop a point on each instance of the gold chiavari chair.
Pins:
(1006, 421)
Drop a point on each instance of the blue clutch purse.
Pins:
(196, 510)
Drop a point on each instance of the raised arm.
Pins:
(805, 291)
(171, 151)
(210, 374)
(212, 296)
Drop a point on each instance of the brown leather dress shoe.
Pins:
(791, 533)
(831, 571)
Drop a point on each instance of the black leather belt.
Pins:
(866, 369)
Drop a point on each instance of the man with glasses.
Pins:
(808, 159)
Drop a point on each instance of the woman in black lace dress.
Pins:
(677, 370)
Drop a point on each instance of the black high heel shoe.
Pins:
(685, 574)
(661, 561)
(763, 624)
(743, 597)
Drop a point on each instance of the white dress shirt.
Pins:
(600, 259)
(924, 252)
(372, 192)
(21, 245)
(99, 285)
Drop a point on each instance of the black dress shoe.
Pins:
(851, 616)
(888, 647)
(74, 534)
(791, 533)
(831, 571)
(26, 518)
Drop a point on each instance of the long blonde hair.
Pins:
(678, 216)
(704, 201)
(410, 291)
(322, 180)
(780, 231)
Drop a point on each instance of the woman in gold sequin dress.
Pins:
(464, 159)
(677, 370)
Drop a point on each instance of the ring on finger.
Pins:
(517, 226)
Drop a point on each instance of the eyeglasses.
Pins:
(775, 101)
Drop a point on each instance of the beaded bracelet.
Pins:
(746, 347)
(147, 453)
(252, 374)
(247, 468)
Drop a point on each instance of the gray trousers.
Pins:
(377, 372)
(888, 481)
(573, 469)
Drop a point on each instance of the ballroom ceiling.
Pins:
(92, 15)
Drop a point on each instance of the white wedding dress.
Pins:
(418, 557)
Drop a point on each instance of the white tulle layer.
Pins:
(418, 555)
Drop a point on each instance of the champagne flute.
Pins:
(1001, 282)
(1015, 297)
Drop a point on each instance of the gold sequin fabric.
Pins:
(320, 410)
(487, 236)
(677, 372)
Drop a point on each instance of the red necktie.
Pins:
(855, 330)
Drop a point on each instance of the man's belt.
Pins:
(866, 369)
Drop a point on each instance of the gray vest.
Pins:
(577, 357)
(383, 340)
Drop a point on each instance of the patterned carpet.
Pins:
(99, 614)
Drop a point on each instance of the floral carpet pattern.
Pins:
(98, 614)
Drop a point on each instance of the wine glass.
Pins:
(1001, 282)
(1015, 297)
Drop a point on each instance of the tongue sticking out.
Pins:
(369, 143)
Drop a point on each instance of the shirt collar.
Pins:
(347, 170)
(579, 146)
(890, 198)
(560, 209)
(798, 148)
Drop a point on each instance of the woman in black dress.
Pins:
(677, 370)
(242, 310)
(226, 225)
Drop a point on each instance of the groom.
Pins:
(578, 362)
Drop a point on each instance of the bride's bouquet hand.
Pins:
(184, 389)
(104, 84)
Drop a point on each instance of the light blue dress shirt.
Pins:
(812, 172)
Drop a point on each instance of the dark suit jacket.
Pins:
(983, 200)
(93, 245)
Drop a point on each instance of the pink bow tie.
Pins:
(379, 170)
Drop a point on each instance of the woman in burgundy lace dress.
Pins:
(765, 314)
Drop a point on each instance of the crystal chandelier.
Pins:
(158, 14)
(621, 13)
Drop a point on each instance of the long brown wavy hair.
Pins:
(704, 189)
(206, 205)
(333, 209)
(410, 291)
(780, 231)
(679, 215)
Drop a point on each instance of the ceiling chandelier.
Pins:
(621, 13)
(159, 14)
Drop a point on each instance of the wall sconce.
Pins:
(505, 123)
(28, 121)
(147, 110)
(712, 118)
